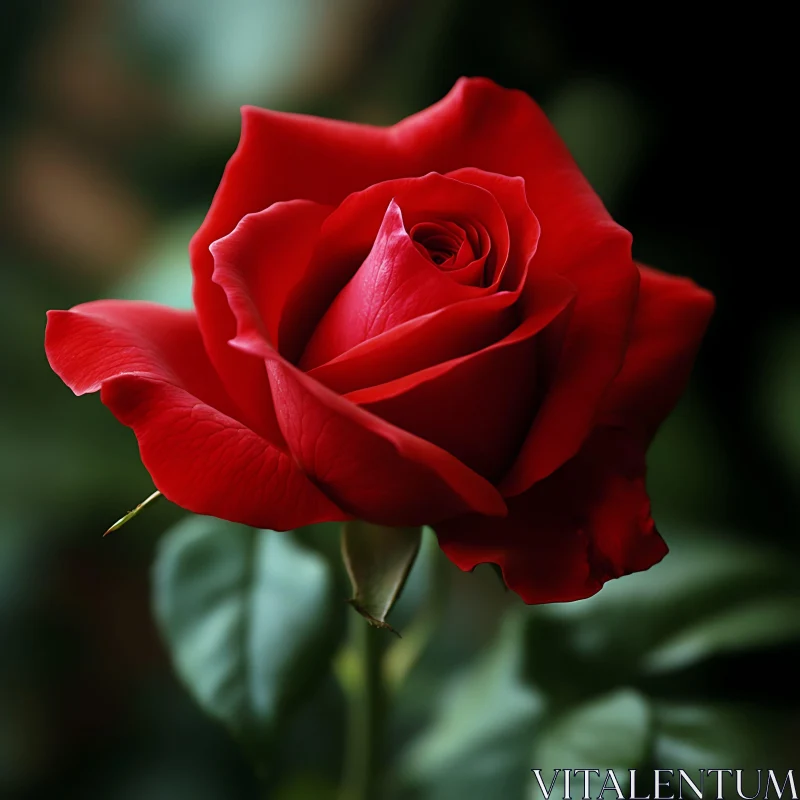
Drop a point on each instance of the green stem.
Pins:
(367, 713)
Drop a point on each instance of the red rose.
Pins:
(436, 322)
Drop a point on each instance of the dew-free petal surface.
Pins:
(153, 373)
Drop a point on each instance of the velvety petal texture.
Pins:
(433, 323)
(383, 473)
(671, 317)
(151, 369)
(396, 283)
(590, 521)
(567, 535)
(495, 389)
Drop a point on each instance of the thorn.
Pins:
(131, 514)
(373, 621)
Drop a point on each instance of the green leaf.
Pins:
(247, 616)
(695, 737)
(378, 559)
(611, 732)
(761, 623)
(707, 592)
(479, 742)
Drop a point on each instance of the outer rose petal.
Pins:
(280, 157)
(565, 537)
(280, 241)
(671, 317)
(506, 132)
(153, 373)
(581, 368)
(478, 124)
(281, 261)
(374, 470)
(589, 521)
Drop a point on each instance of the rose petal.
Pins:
(581, 365)
(455, 248)
(280, 157)
(501, 131)
(278, 262)
(478, 125)
(377, 472)
(479, 406)
(423, 342)
(524, 229)
(395, 284)
(468, 265)
(271, 249)
(455, 331)
(349, 235)
(671, 317)
(374, 470)
(565, 537)
(153, 373)
(241, 257)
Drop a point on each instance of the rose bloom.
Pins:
(432, 323)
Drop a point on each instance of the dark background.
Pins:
(118, 117)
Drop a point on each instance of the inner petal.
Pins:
(398, 281)
(457, 247)
(349, 237)
(438, 240)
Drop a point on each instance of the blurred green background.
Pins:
(118, 117)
